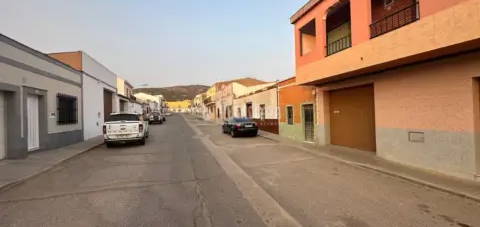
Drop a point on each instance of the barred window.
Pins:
(67, 112)
(290, 115)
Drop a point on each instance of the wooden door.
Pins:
(249, 110)
(308, 122)
(352, 117)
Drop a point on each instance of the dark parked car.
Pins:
(240, 126)
(156, 117)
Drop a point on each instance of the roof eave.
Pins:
(305, 9)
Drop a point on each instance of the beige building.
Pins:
(150, 102)
(227, 91)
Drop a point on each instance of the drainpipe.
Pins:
(278, 106)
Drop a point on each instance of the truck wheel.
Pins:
(142, 142)
(108, 144)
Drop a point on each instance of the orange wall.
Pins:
(433, 96)
(295, 96)
(460, 22)
(429, 7)
(286, 82)
(360, 21)
(418, 41)
(74, 59)
(437, 95)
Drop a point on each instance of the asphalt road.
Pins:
(178, 179)
(171, 181)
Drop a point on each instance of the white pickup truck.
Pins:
(125, 127)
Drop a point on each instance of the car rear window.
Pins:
(241, 120)
(156, 114)
(123, 117)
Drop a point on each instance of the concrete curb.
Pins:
(381, 170)
(9, 185)
(267, 208)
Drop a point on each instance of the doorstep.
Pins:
(368, 160)
(13, 172)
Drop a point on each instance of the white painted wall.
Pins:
(92, 107)
(96, 79)
(115, 103)
(267, 98)
(99, 71)
(135, 108)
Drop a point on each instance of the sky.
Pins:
(163, 42)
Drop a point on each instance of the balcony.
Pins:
(395, 20)
(339, 45)
(338, 25)
(419, 41)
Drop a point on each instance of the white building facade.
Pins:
(99, 87)
(40, 101)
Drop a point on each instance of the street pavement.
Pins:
(190, 174)
(171, 181)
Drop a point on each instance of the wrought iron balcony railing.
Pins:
(339, 45)
(395, 20)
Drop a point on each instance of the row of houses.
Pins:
(184, 106)
(398, 78)
(52, 100)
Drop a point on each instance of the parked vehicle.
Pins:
(240, 126)
(156, 117)
(125, 127)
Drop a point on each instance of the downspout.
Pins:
(278, 105)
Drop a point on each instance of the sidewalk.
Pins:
(13, 172)
(460, 187)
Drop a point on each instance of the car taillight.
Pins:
(104, 129)
(238, 125)
(140, 128)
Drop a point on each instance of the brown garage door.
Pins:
(107, 104)
(352, 117)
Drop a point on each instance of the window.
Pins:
(308, 36)
(290, 115)
(123, 117)
(67, 109)
(262, 112)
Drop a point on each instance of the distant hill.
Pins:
(175, 93)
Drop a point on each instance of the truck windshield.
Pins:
(123, 117)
